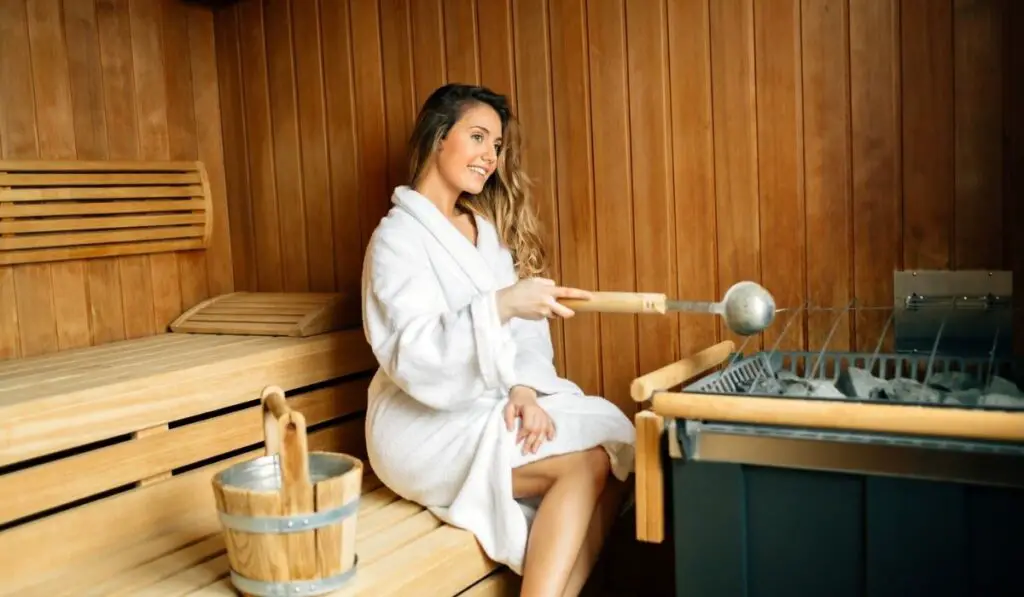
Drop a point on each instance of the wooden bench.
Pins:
(107, 455)
(58, 210)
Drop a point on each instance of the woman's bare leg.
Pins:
(608, 507)
(570, 485)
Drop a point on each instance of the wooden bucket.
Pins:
(289, 517)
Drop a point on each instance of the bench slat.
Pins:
(62, 481)
(100, 194)
(35, 421)
(28, 210)
(85, 179)
(104, 222)
(95, 166)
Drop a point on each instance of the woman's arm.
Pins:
(442, 358)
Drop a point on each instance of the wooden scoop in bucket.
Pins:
(289, 517)
(747, 307)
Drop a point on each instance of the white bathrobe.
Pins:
(435, 429)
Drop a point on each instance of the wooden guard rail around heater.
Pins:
(60, 210)
(650, 425)
(667, 406)
(107, 456)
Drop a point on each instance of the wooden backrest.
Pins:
(110, 446)
(59, 210)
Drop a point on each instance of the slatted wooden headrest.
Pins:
(58, 210)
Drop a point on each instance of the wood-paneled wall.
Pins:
(677, 146)
(109, 79)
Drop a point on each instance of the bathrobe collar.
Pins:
(469, 257)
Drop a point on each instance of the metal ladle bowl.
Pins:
(747, 308)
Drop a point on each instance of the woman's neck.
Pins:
(442, 195)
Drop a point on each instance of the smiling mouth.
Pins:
(478, 171)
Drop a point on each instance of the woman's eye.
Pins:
(478, 137)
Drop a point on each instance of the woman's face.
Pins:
(468, 156)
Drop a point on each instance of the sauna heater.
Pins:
(892, 472)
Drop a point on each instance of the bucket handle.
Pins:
(284, 432)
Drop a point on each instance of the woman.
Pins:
(467, 415)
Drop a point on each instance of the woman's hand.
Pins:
(536, 298)
(536, 425)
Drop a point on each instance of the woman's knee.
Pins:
(597, 464)
(536, 478)
(588, 466)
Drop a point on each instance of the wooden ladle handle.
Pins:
(273, 401)
(284, 432)
(619, 302)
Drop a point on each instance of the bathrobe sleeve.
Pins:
(441, 357)
(534, 361)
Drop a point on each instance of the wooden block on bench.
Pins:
(59, 210)
(298, 314)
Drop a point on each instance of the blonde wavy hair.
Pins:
(505, 200)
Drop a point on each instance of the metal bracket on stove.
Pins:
(953, 313)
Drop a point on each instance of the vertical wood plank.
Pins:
(574, 173)
(157, 273)
(653, 185)
(735, 117)
(978, 132)
(51, 80)
(291, 202)
(181, 115)
(875, 121)
(240, 201)
(531, 37)
(37, 327)
(613, 205)
(210, 144)
(826, 77)
(693, 151)
(462, 41)
(61, 284)
(260, 142)
(313, 144)
(926, 49)
(118, 90)
(781, 166)
(399, 99)
(497, 60)
(18, 117)
(81, 55)
(374, 141)
(82, 38)
(182, 142)
(38, 324)
(428, 48)
(10, 348)
(343, 150)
